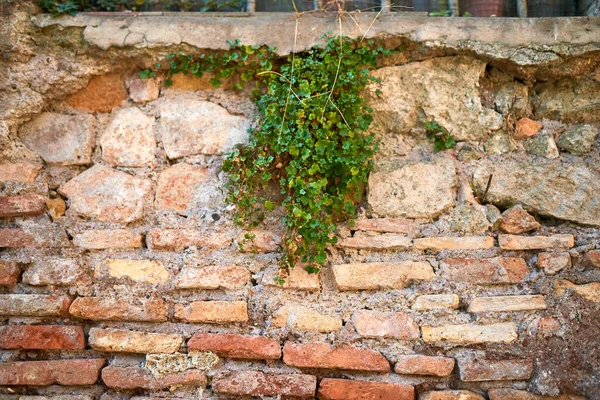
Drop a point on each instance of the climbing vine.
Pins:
(312, 143)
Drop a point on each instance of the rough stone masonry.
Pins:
(121, 271)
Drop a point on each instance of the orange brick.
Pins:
(345, 389)
(56, 372)
(139, 378)
(322, 355)
(112, 309)
(236, 346)
(42, 337)
(22, 205)
(256, 383)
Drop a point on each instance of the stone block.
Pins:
(102, 94)
(259, 241)
(230, 277)
(486, 271)
(52, 236)
(236, 346)
(42, 337)
(296, 278)
(137, 270)
(56, 271)
(21, 171)
(386, 225)
(22, 205)
(99, 239)
(9, 273)
(112, 309)
(495, 370)
(322, 355)
(346, 389)
(507, 303)
(454, 243)
(55, 372)
(512, 242)
(129, 378)
(552, 263)
(298, 317)
(33, 305)
(256, 383)
(590, 291)
(415, 364)
(118, 340)
(470, 333)
(180, 239)
(384, 275)
(388, 241)
(429, 302)
(376, 324)
(450, 395)
(213, 312)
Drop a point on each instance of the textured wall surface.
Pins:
(122, 275)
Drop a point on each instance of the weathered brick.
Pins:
(591, 259)
(112, 309)
(486, 271)
(99, 239)
(117, 340)
(388, 241)
(516, 220)
(302, 318)
(180, 239)
(375, 324)
(143, 90)
(256, 383)
(138, 270)
(322, 355)
(128, 140)
(56, 372)
(450, 395)
(102, 94)
(231, 277)
(60, 139)
(454, 243)
(513, 394)
(53, 236)
(42, 337)
(392, 225)
(526, 127)
(429, 302)
(384, 275)
(295, 278)
(259, 241)
(106, 194)
(552, 263)
(415, 364)
(236, 346)
(33, 305)
(590, 291)
(470, 334)
(514, 242)
(182, 188)
(495, 370)
(140, 378)
(55, 271)
(22, 205)
(213, 312)
(345, 389)
(19, 172)
(507, 303)
(9, 273)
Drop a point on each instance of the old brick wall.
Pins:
(122, 275)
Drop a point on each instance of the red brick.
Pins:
(44, 373)
(375, 324)
(22, 205)
(34, 237)
(345, 389)
(9, 273)
(236, 346)
(102, 94)
(256, 383)
(43, 337)
(491, 271)
(33, 305)
(322, 355)
(415, 364)
(180, 239)
(111, 309)
(136, 377)
(492, 370)
(392, 225)
(526, 127)
(591, 259)
(450, 395)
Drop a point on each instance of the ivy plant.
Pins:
(440, 136)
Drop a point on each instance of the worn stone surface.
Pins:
(507, 303)
(514, 394)
(322, 355)
(526, 127)
(256, 383)
(430, 302)
(566, 191)
(111, 309)
(183, 187)
(498, 144)
(389, 241)
(296, 278)
(470, 219)
(260, 241)
(578, 140)
(139, 378)
(23, 171)
(376, 324)
(512, 242)
(231, 277)
(415, 364)
(454, 243)
(542, 146)
(494, 370)
(190, 126)
(454, 102)
(346, 389)
(42, 337)
(214, 312)
(591, 259)
(552, 263)
(569, 100)
(60, 139)
(107, 195)
(413, 190)
(143, 90)
(470, 333)
(179, 239)
(236, 346)
(102, 94)
(45, 373)
(297, 317)
(38, 236)
(117, 340)
(56, 271)
(34, 305)
(516, 220)
(386, 225)
(450, 395)
(486, 271)
(98, 239)
(9, 273)
(22, 205)
(375, 276)
(128, 140)
(590, 291)
(138, 270)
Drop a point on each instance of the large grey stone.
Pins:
(578, 140)
(444, 89)
(413, 190)
(60, 139)
(191, 126)
(568, 100)
(565, 191)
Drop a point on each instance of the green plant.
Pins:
(59, 7)
(440, 137)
